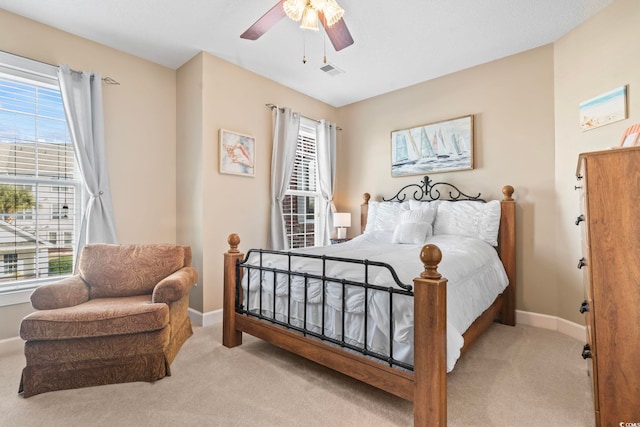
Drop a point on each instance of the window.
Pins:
(39, 185)
(299, 207)
(10, 263)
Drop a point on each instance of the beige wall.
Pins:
(600, 55)
(140, 131)
(189, 169)
(232, 98)
(140, 117)
(512, 103)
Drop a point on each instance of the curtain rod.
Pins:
(272, 106)
(107, 80)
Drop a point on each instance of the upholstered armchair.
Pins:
(122, 317)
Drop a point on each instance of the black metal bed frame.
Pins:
(403, 289)
(424, 191)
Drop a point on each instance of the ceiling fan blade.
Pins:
(268, 20)
(338, 33)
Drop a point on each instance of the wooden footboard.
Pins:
(426, 386)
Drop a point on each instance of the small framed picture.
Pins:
(237, 153)
(630, 137)
(606, 108)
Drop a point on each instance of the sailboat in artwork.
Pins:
(443, 150)
(405, 152)
(426, 147)
(463, 144)
(454, 145)
(459, 144)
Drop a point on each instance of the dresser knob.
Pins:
(579, 219)
(577, 187)
(584, 307)
(586, 352)
(578, 177)
(582, 262)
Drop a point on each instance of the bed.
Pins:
(379, 308)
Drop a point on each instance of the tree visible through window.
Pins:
(38, 180)
(299, 207)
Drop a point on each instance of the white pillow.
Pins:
(384, 216)
(417, 204)
(415, 227)
(469, 218)
(411, 233)
(418, 215)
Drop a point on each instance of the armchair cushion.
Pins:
(67, 292)
(96, 317)
(127, 270)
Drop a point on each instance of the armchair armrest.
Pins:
(175, 286)
(67, 292)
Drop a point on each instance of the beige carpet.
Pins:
(520, 376)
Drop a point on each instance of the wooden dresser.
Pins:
(609, 185)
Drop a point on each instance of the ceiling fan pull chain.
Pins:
(304, 48)
(324, 45)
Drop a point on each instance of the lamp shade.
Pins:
(342, 219)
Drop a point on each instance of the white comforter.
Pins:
(474, 272)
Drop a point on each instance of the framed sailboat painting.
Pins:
(444, 146)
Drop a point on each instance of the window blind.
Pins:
(299, 207)
(303, 177)
(38, 182)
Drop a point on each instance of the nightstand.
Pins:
(336, 241)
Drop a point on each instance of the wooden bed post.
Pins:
(507, 247)
(364, 211)
(430, 342)
(231, 337)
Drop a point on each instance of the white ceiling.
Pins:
(397, 42)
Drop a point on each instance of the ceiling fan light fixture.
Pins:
(330, 17)
(309, 19)
(294, 9)
(318, 4)
(332, 12)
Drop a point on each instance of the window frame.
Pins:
(307, 129)
(31, 71)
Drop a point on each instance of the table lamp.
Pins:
(342, 220)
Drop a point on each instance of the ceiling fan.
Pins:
(308, 12)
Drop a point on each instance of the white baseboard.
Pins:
(537, 320)
(15, 345)
(205, 319)
(10, 346)
(553, 323)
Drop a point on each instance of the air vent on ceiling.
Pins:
(331, 69)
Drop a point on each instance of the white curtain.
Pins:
(286, 125)
(326, 153)
(82, 99)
